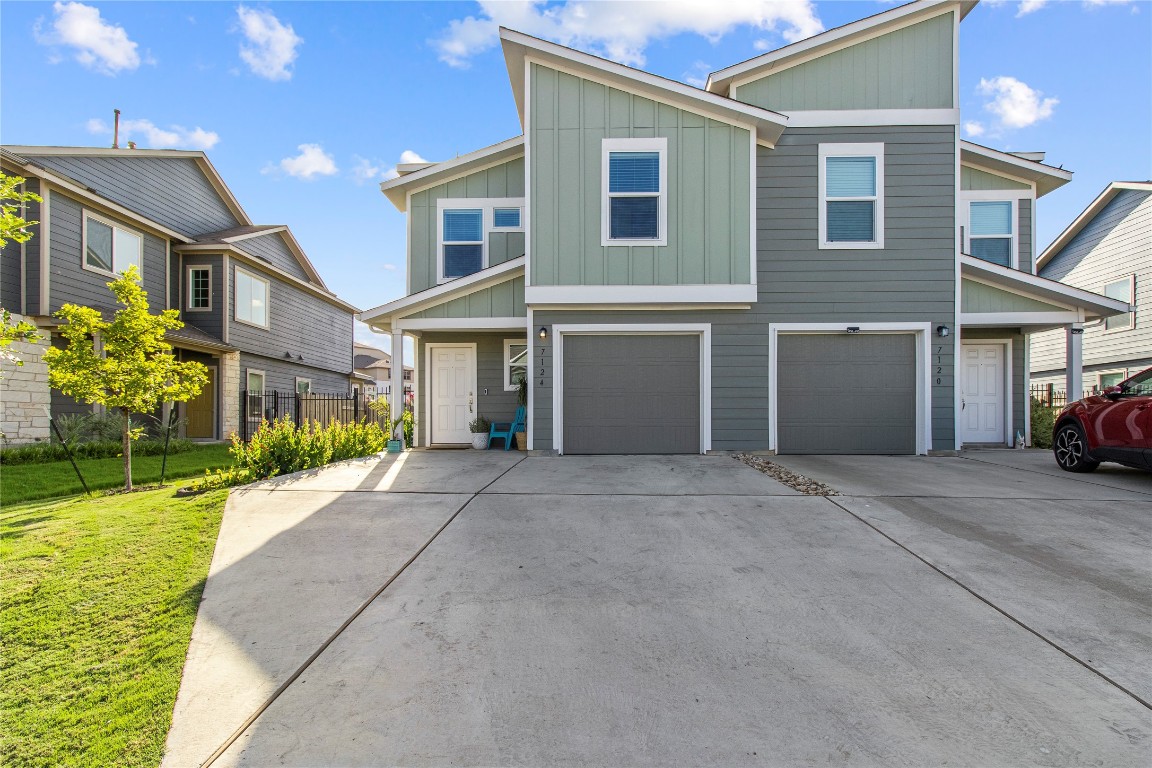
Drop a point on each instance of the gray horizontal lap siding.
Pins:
(299, 324)
(212, 321)
(172, 191)
(32, 252)
(10, 277)
(70, 283)
(280, 375)
(496, 404)
(275, 251)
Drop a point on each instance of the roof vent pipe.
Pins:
(116, 129)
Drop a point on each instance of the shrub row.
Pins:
(280, 447)
(39, 453)
(1043, 419)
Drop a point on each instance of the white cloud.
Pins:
(389, 267)
(621, 30)
(271, 45)
(973, 129)
(367, 170)
(409, 156)
(1030, 6)
(697, 74)
(97, 45)
(151, 136)
(312, 161)
(1014, 103)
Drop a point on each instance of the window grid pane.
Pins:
(126, 251)
(851, 177)
(635, 218)
(997, 250)
(460, 260)
(851, 221)
(99, 245)
(506, 217)
(463, 225)
(991, 218)
(633, 171)
(201, 290)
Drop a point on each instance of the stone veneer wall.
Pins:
(229, 393)
(26, 397)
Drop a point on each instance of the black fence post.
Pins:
(68, 452)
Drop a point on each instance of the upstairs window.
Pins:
(851, 196)
(110, 248)
(463, 228)
(251, 299)
(990, 235)
(635, 191)
(199, 289)
(1121, 290)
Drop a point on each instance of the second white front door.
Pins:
(982, 394)
(453, 396)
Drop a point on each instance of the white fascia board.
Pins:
(257, 233)
(461, 324)
(518, 47)
(537, 295)
(833, 39)
(834, 118)
(1087, 215)
(1041, 287)
(1031, 320)
(461, 286)
(1047, 178)
(397, 189)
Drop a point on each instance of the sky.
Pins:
(304, 107)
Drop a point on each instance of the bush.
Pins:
(479, 425)
(40, 453)
(280, 447)
(1043, 419)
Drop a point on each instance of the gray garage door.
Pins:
(846, 393)
(631, 394)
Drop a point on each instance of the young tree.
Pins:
(135, 371)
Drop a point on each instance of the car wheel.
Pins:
(1071, 450)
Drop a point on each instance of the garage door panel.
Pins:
(846, 394)
(631, 394)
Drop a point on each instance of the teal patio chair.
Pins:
(506, 429)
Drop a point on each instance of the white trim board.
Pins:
(923, 332)
(640, 294)
(460, 323)
(835, 118)
(1016, 319)
(704, 330)
(444, 291)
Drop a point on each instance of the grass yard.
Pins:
(100, 595)
(27, 482)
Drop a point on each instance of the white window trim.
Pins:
(268, 296)
(188, 279)
(703, 330)
(509, 385)
(875, 150)
(607, 146)
(1012, 196)
(488, 206)
(1101, 374)
(296, 384)
(1131, 303)
(86, 214)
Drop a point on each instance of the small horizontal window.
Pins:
(506, 218)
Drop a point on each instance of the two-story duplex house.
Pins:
(256, 312)
(801, 257)
(1106, 249)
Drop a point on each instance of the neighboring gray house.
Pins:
(375, 366)
(1108, 250)
(802, 257)
(255, 310)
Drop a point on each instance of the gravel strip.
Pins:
(794, 481)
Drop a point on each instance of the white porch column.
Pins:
(1074, 362)
(396, 399)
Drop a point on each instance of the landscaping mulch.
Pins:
(796, 482)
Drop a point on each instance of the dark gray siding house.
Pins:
(256, 312)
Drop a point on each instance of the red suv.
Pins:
(1115, 425)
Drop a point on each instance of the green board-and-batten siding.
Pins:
(709, 180)
(503, 300)
(503, 180)
(972, 179)
(910, 68)
(978, 297)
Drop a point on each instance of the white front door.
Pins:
(982, 394)
(453, 396)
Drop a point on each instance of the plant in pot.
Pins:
(522, 398)
(479, 427)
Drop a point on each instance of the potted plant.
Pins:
(479, 428)
(522, 398)
(395, 444)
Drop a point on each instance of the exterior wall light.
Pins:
(543, 333)
(943, 331)
(853, 329)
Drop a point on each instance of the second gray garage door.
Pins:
(631, 394)
(846, 393)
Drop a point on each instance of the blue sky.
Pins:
(305, 106)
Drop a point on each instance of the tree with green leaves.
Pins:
(134, 370)
(14, 227)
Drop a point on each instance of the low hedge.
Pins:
(41, 453)
(1043, 419)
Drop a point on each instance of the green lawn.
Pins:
(26, 482)
(99, 598)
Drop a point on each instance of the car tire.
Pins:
(1071, 449)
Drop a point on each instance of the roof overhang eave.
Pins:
(1047, 178)
(1094, 305)
(381, 317)
(397, 189)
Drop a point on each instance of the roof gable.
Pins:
(1089, 215)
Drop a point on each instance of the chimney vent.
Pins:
(116, 130)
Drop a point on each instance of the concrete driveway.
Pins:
(480, 608)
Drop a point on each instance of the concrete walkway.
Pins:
(664, 610)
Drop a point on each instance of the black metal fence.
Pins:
(1047, 394)
(324, 408)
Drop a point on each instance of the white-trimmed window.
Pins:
(991, 234)
(254, 383)
(303, 386)
(634, 191)
(251, 298)
(464, 227)
(515, 363)
(851, 195)
(199, 288)
(1107, 379)
(1121, 290)
(109, 248)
